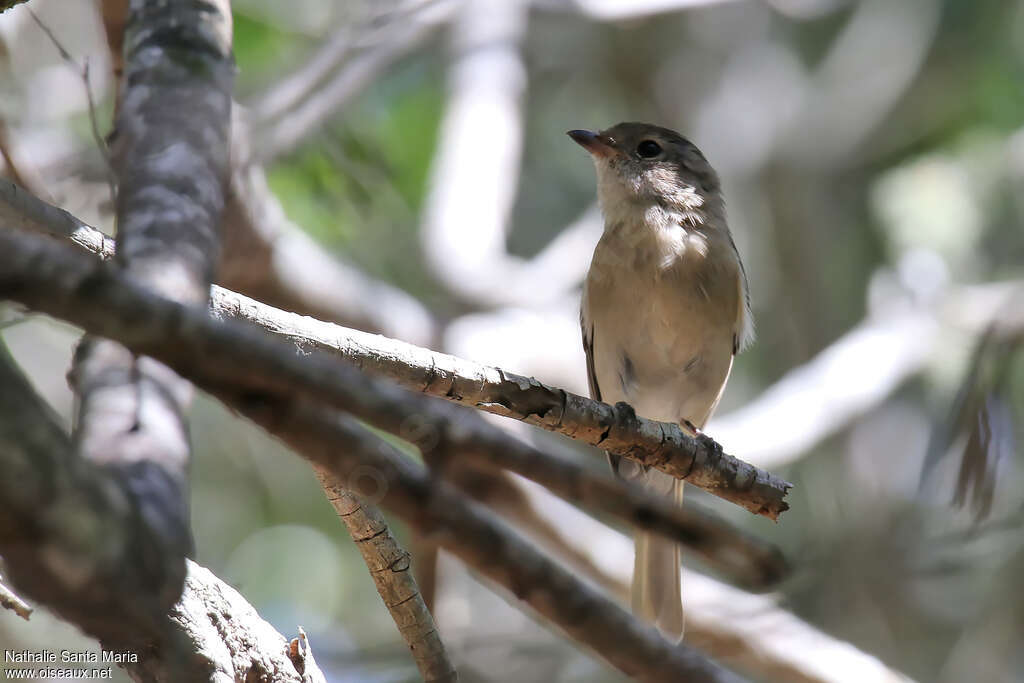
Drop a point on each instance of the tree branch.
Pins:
(473, 534)
(267, 256)
(10, 600)
(390, 566)
(660, 445)
(170, 153)
(615, 429)
(65, 532)
(228, 640)
(73, 287)
(280, 401)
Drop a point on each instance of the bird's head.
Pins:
(639, 163)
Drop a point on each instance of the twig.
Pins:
(83, 73)
(397, 39)
(70, 285)
(390, 567)
(10, 600)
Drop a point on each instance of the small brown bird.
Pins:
(665, 308)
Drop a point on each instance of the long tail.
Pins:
(657, 595)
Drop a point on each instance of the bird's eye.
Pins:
(648, 149)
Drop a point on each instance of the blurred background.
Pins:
(412, 164)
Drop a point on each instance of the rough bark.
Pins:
(170, 155)
(70, 285)
(65, 529)
(664, 446)
(432, 507)
(390, 566)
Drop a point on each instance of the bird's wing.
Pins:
(588, 348)
(627, 469)
(743, 332)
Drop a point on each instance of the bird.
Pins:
(665, 308)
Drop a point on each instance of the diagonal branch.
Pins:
(64, 531)
(270, 387)
(10, 600)
(615, 429)
(81, 290)
(390, 566)
(478, 538)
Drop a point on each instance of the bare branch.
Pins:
(105, 302)
(626, 10)
(170, 153)
(108, 300)
(10, 600)
(616, 429)
(390, 567)
(479, 539)
(70, 539)
(487, 78)
(73, 542)
(894, 346)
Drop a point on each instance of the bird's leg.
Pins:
(710, 444)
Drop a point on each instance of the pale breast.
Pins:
(662, 306)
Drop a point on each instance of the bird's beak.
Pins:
(598, 145)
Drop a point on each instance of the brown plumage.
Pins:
(665, 307)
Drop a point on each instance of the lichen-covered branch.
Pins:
(170, 155)
(391, 568)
